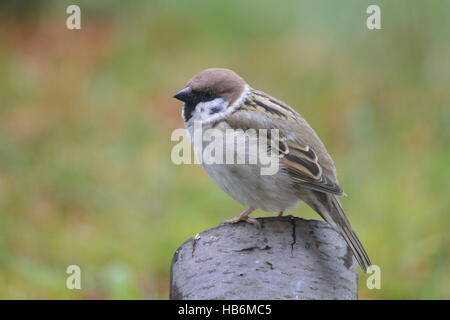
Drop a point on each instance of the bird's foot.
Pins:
(252, 221)
(244, 217)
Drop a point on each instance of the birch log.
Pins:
(288, 258)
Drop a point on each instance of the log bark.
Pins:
(288, 258)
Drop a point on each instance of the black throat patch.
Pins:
(187, 110)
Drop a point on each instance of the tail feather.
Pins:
(349, 233)
(332, 212)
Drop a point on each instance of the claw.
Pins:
(252, 221)
(243, 217)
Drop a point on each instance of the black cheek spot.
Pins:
(214, 110)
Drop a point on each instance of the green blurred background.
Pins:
(86, 117)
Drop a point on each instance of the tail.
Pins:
(330, 209)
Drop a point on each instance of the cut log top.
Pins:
(288, 258)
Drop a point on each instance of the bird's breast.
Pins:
(226, 156)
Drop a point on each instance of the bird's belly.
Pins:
(245, 184)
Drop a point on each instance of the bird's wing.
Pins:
(302, 154)
(302, 164)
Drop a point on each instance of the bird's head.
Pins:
(210, 93)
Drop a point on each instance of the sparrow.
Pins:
(220, 99)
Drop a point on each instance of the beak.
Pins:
(183, 95)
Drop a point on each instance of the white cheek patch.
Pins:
(208, 109)
(215, 110)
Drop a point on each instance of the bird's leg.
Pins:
(243, 217)
(280, 214)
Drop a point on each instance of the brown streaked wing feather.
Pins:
(269, 106)
(299, 160)
(303, 166)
